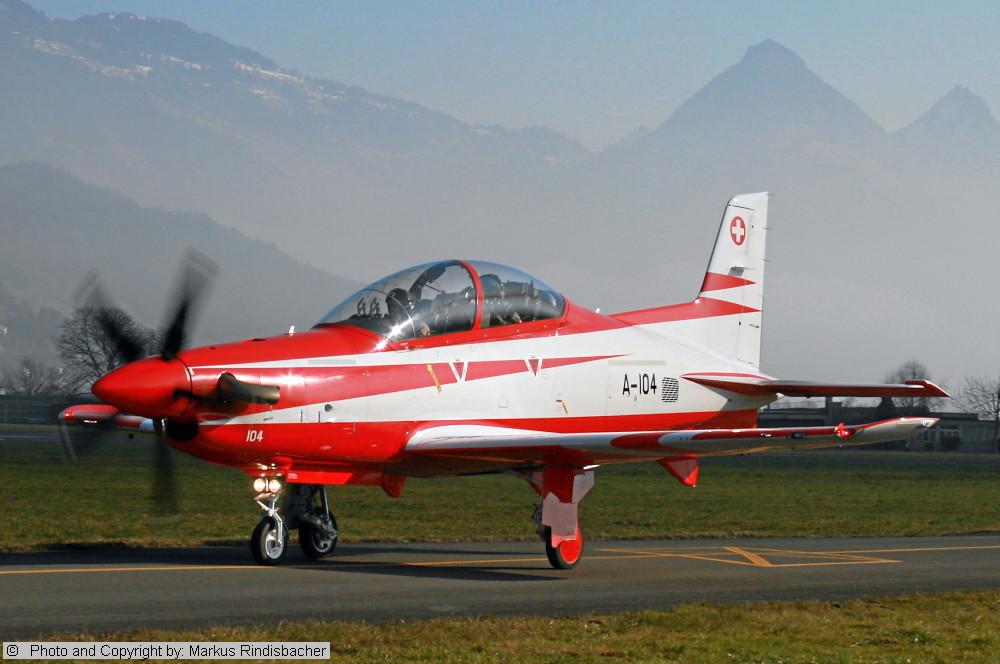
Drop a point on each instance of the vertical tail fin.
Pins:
(726, 317)
(735, 276)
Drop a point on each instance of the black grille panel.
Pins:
(671, 390)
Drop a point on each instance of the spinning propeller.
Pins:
(195, 277)
(159, 387)
(125, 392)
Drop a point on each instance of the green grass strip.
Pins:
(946, 628)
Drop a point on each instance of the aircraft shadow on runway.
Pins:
(473, 571)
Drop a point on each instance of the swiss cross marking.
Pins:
(738, 230)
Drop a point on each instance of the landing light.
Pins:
(265, 485)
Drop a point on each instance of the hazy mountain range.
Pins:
(56, 228)
(881, 243)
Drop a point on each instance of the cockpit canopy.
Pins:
(447, 297)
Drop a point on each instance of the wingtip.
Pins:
(931, 389)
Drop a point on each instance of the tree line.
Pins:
(86, 352)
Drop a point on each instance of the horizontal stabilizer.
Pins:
(757, 386)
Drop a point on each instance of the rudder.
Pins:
(735, 276)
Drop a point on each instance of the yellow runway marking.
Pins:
(929, 548)
(758, 557)
(754, 558)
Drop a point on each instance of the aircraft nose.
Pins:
(152, 387)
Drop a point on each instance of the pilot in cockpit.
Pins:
(400, 307)
(497, 310)
(397, 304)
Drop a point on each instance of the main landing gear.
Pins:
(561, 490)
(308, 511)
(562, 552)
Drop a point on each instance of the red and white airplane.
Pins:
(468, 367)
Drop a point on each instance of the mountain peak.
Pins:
(771, 92)
(16, 15)
(960, 104)
(960, 112)
(770, 54)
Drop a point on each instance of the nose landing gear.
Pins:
(315, 522)
(269, 540)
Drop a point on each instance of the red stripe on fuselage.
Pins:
(381, 443)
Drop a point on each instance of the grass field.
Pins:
(924, 629)
(104, 498)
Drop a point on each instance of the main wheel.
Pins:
(265, 545)
(315, 542)
(567, 554)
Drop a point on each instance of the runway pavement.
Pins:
(97, 590)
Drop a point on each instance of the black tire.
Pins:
(314, 543)
(569, 552)
(264, 544)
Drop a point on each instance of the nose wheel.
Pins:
(269, 541)
(308, 511)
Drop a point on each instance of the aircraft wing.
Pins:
(758, 386)
(485, 443)
(106, 416)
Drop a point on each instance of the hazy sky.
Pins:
(598, 70)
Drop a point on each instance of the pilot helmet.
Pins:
(491, 285)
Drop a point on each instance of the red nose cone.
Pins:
(151, 388)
